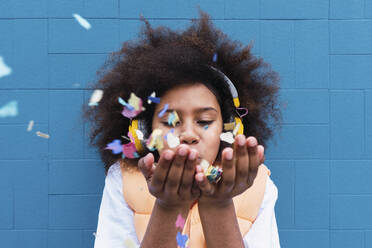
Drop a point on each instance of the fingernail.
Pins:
(168, 156)
(192, 155)
(229, 155)
(241, 140)
(146, 159)
(182, 151)
(253, 141)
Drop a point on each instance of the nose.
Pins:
(188, 135)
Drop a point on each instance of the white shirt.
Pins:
(116, 225)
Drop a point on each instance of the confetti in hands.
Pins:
(4, 69)
(84, 23)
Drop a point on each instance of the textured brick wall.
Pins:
(51, 189)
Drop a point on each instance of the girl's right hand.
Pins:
(171, 181)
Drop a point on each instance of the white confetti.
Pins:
(95, 98)
(10, 109)
(173, 140)
(227, 137)
(84, 23)
(129, 243)
(236, 129)
(4, 69)
(30, 125)
(139, 134)
(42, 135)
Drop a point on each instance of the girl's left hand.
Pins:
(239, 166)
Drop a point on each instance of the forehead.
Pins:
(189, 97)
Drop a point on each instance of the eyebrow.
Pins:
(198, 110)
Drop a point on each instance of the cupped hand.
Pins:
(171, 181)
(239, 165)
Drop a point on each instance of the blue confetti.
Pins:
(115, 146)
(205, 127)
(182, 239)
(162, 112)
(154, 99)
(214, 57)
(127, 105)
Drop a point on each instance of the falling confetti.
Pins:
(115, 146)
(42, 135)
(182, 240)
(227, 137)
(129, 150)
(155, 141)
(214, 57)
(173, 140)
(9, 110)
(4, 69)
(125, 104)
(173, 118)
(136, 102)
(236, 129)
(133, 107)
(139, 134)
(84, 23)
(180, 222)
(153, 98)
(30, 125)
(205, 127)
(95, 98)
(162, 112)
(229, 126)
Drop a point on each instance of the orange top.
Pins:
(141, 202)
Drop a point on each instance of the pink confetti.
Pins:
(180, 222)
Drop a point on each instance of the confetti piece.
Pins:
(205, 127)
(30, 125)
(227, 137)
(229, 126)
(129, 150)
(127, 105)
(182, 240)
(129, 243)
(139, 134)
(162, 112)
(155, 140)
(4, 69)
(135, 101)
(42, 135)
(214, 57)
(95, 97)
(94, 234)
(236, 129)
(83, 22)
(9, 110)
(115, 146)
(153, 98)
(173, 140)
(180, 222)
(212, 173)
(173, 118)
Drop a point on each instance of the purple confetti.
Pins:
(162, 112)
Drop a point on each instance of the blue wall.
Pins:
(51, 189)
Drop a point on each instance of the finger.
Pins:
(188, 174)
(145, 165)
(205, 186)
(228, 175)
(242, 162)
(176, 170)
(261, 152)
(254, 160)
(161, 172)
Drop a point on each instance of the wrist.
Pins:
(215, 204)
(168, 207)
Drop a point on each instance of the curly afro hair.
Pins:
(162, 59)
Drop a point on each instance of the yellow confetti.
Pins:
(155, 140)
(135, 101)
(236, 129)
(43, 135)
(229, 126)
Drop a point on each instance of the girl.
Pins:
(156, 191)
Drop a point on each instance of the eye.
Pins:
(203, 123)
(165, 123)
